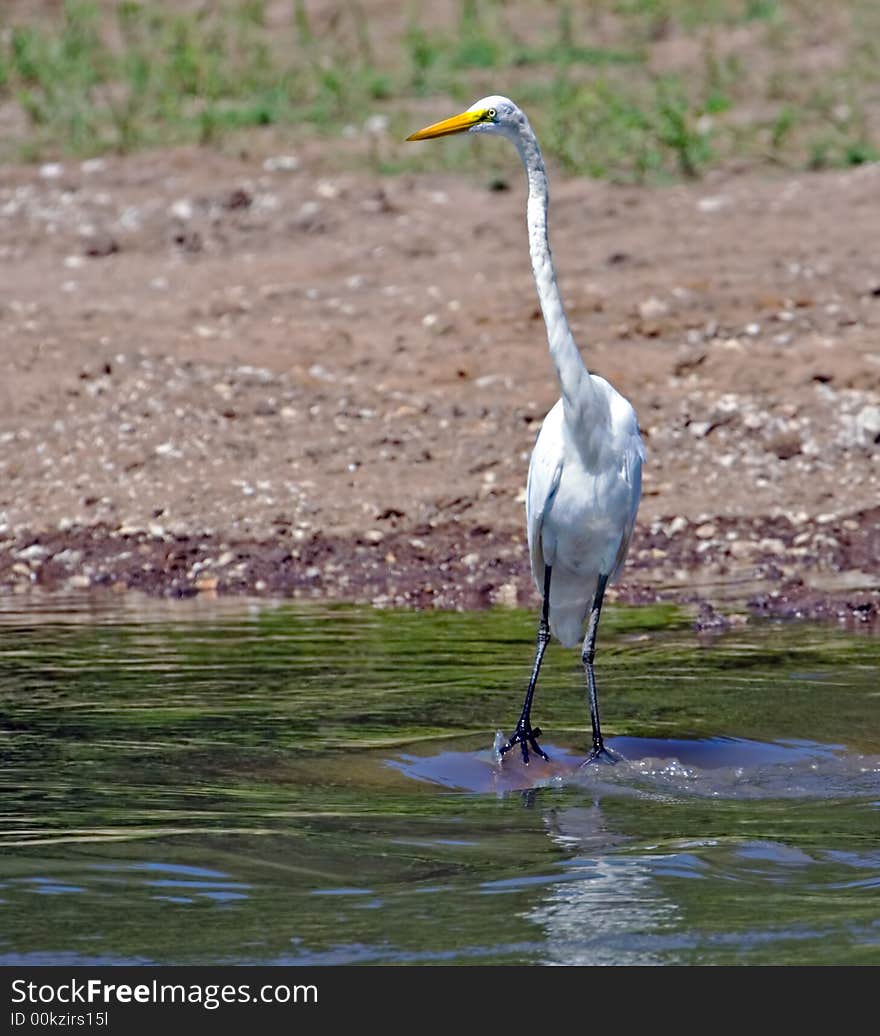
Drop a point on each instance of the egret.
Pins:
(585, 473)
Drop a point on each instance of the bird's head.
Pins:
(494, 114)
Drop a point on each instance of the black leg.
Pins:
(600, 752)
(525, 735)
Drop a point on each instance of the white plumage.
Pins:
(581, 508)
(585, 474)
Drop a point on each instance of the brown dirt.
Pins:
(225, 376)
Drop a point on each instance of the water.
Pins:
(199, 782)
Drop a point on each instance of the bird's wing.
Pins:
(631, 472)
(545, 471)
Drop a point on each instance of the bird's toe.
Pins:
(527, 738)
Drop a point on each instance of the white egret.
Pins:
(585, 477)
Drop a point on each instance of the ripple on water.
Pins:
(716, 767)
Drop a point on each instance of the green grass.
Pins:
(629, 90)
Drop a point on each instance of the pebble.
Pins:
(506, 595)
(281, 164)
(868, 424)
(69, 557)
(307, 214)
(36, 552)
(771, 545)
(678, 524)
(652, 308)
(713, 203)
(182, 209)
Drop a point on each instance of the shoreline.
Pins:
(726, 570)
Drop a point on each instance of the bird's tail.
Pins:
(567, 625)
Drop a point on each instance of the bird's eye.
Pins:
(491, 113)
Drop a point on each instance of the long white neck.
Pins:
(574, 379)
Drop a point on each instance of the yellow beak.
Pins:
(457, 124)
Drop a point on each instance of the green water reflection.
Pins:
(200, 783)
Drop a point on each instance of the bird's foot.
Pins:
(525, 736)
(602, 755)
